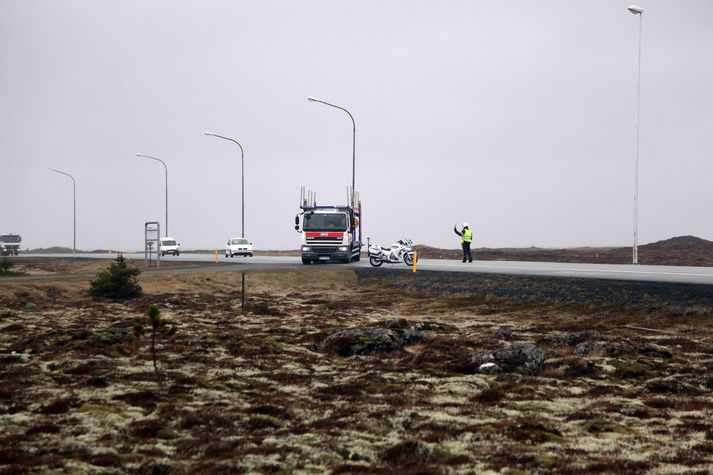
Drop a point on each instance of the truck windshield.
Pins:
(325, 222)
(10, 238)
(239, 241)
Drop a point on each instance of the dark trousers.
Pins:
(466, 252)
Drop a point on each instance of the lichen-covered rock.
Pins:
(361, 341)
(604, 348)
(570, 339)
(390, 336)
(431, 327)
(504, 333)
(514, 357)
(489, 368)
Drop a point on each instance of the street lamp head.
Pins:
(140, 154)
(636, 10)
(208, 133)
(311, 98)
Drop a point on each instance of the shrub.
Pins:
(5, 265)
(118, 281)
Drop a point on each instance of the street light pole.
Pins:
(635, 10)
(74, 207)
(313, 99)
(165, 168)
(242, 176)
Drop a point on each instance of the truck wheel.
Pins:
(375, 261)
(306, 261)
(408, 259)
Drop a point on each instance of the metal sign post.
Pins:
(152, 234)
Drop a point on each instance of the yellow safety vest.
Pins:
(467, 236)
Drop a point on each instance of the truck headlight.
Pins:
(343, 248)
(306, 249)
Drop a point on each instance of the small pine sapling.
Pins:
(158, 326)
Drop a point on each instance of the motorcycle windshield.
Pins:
(325, 222)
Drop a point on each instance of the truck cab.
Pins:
(329, 233)
(10, 244)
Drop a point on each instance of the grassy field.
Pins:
(626, 386)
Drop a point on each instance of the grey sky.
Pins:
(516, 116)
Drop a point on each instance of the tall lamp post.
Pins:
(313, 99)
(74, 206)
(165, 168)
(242, 177)
(635, 10)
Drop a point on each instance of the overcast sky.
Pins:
(516, 116)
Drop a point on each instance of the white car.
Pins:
(238, 247)
(168, 245)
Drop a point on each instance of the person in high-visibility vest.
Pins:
(466, 237)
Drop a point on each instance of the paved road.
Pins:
(691, 275)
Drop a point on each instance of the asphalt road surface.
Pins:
(690, 275)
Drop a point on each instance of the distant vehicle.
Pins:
(10, 244)
(168, 245)
(329, 233)
(238, 247)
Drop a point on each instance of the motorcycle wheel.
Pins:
(408, 259)
(375, 261)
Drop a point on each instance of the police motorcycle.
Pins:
(400, 251)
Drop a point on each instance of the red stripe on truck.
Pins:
(325, 234)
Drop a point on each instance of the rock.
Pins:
(30, 307)
(570, 339)
(429, 327)
(390, 336)
(361, 341)
(489, 368)
(396, 323)
(604, 348)
(583, 349)
(513, 357)
(504, 333)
